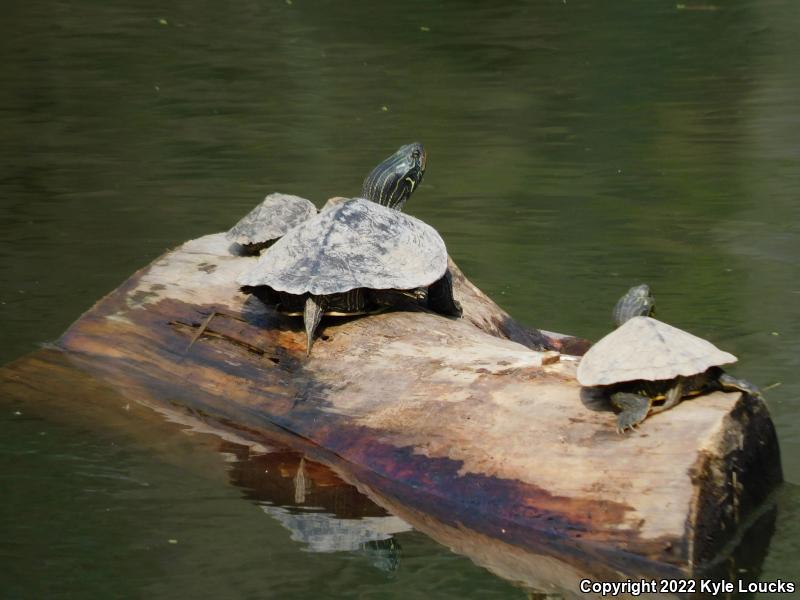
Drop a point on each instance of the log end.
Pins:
(736, 471)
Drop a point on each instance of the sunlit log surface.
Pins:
(437, 418)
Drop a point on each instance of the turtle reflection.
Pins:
(318, 509)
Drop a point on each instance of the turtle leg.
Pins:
(672, 397)
(312, 314)
(732, 384)
(440, 296)
(634, 409)
(263, 292)
(417, 294)
(397, 298)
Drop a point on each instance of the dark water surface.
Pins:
(576, 148)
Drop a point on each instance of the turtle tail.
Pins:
(312, 314)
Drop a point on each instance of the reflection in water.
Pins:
(156, 517)
(322, 532)
(316, 506)
(300, 483)
(334, 516)
(329, 515)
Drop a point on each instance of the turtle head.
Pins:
(392, 182)
(637, 302)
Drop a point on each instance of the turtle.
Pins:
(354, 257)
(637, 302)
(390, 183)
(269, 221)
(646, 366)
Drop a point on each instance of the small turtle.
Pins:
(646, 366)
(354, 257)
(637, 302)
(269, 221)
(391, 183)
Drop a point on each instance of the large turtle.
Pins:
(646, 366)
(354, 257)
(390, 183)
(637, 302)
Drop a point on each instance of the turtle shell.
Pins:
(352, 244)
(646, 348)
(271, 219)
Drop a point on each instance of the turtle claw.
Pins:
(634, 409)
(627, 422)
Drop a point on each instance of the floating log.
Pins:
(454, 422)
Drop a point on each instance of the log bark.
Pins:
(447, 419)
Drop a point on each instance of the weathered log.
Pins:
(46, 385)
(435, 417)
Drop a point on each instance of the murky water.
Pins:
(576, 148)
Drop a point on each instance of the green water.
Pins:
(576, 148)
